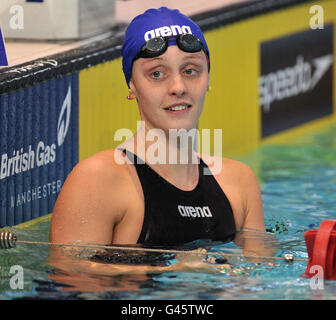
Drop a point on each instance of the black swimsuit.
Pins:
(174, 216)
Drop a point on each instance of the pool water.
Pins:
(298, 183)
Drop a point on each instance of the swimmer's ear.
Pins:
(131, 90)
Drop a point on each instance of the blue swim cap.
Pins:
(155, 23)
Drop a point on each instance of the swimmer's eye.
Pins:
(157, 74)
(191, 72)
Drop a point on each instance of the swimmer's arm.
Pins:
(88, 206)
(246, 201)
(241, 180)
(253, 206)
(254, 241)
(68, 260)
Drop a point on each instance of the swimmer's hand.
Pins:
(198, 261)
(256, 243)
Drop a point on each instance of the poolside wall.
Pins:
(61, 109)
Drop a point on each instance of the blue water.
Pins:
(299, 192)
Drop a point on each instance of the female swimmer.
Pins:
(127, 195)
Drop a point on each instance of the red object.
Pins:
(321, 248)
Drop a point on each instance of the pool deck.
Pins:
(19, 52)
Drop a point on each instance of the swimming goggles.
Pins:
(156, 46)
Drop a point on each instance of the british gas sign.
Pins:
(43, 154)
(39, 147)
(24, 161)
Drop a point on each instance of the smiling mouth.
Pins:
(178, 108)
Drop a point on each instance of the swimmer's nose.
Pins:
(177, 86)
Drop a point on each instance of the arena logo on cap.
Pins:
(167, 31)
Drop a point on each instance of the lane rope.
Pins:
(9, 240)
(320, 244)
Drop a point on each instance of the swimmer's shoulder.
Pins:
(108, 167)
(101, 178)
(241, 186)
(228, 168)
(235, 177)
(97, 192)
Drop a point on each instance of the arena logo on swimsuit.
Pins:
(167, 31)
(199, 212)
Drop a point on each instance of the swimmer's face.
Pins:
(170, 89)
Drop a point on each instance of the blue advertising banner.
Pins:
(3, 56)
(38, 147)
